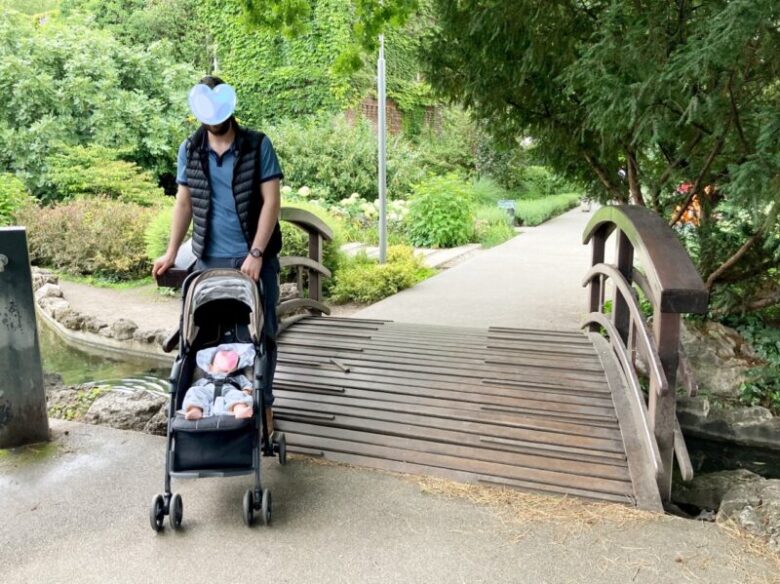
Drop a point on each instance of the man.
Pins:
(228, 179)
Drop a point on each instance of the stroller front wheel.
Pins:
(249, 508)
(177, 511)
(265, 508)
(157, 513)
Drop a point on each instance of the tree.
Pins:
(65, 84)
(679, 97)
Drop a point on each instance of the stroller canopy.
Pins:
(221, 284)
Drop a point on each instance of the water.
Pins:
(76, 367)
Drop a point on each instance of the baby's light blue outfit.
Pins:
(201, 394)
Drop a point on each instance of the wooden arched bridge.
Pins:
(588, 413)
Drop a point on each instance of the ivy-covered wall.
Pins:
(278, 77)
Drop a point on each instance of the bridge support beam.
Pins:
(662, 408)
(23, 418)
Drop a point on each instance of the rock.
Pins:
(745, 416)
(48, 291)
(147, 336)
(52, 305)
(126, 411)
(41, 277)
(288, 291)
(71, 403)
(707, 490)
(52, 381)
(158, 424)
(719, 357)
(123, 329)
(93, 325)
(162, 336)
(755, 508)
(72, 320)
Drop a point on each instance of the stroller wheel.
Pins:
(157, 513)
(280, 446)
(249, 508)
(177, 511)
(266, 507)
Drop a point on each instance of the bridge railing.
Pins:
(649, 258)
(309, 289)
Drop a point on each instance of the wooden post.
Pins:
(596, 288)
(662, 408)
(621, 317)
(315, 253)
(23, 418)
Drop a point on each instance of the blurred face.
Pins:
(219, 129)
(225, 361)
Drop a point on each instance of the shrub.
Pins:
(486, 191)
(13, 198)
(533, 212)
(451, 148)
(363, 280)
(441, 213)
(98, 237)
(539, 181)
(158, 232)
(93, 170)
(337, 159)
(493, 226)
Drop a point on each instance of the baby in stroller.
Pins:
(222, 389)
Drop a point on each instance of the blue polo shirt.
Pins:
(226, 239)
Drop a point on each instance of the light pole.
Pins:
(382, 137)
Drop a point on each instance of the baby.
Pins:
(220, 363)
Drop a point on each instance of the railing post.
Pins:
(315, 253)
(23, 417)
(662, 408)
(595, 290)
(621, 316)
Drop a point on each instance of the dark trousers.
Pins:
(269, 294)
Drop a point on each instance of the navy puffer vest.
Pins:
(246, 189)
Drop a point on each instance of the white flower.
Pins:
(304, 191)
(286, 189)
(354, 196)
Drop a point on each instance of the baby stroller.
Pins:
(220, 306)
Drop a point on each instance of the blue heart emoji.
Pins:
(212, 106)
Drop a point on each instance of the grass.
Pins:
(532, 212)
(99, 282)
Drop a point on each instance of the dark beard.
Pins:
(219, 130)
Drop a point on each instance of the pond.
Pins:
(76, 366)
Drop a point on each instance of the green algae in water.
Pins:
(78, 367)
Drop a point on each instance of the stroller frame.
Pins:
(256, 498)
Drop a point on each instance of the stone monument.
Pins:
(23, 417)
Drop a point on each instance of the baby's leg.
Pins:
(197, 401)
(239, 403)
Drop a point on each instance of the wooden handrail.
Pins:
(673, 286)
(307, 221)
(650, 353)
(674, 283)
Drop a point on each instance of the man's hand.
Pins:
(252, 266)
(162, 264)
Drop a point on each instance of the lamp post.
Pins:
(382, 138)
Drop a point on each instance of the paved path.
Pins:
(531, 281)
(79, 514)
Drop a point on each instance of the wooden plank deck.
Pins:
(523, 408)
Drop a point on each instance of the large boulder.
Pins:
(41, 277)
(706, 491)
(748, 426)
(48, 291)
(755, 508)
(719, 357)
(126, 411)
(158, 424)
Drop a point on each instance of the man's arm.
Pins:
(269, 215)
(182, 216)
